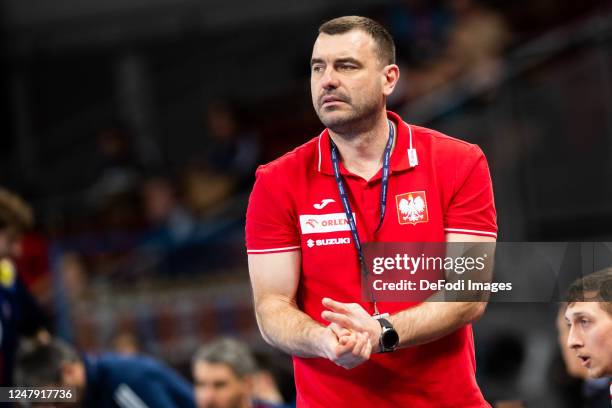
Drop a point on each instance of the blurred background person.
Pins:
(20, 313)
(117, 167)
(588, 318)
(106, 380)
(233, 149)
(571, 377)
(476, 39)
(170, 223)
(224, 377)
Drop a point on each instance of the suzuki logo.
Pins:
(329, 241)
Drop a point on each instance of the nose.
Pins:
(329, 80)
(574, 339)
(205, 397)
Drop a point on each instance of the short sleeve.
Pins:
(472, 208)
(270, 223)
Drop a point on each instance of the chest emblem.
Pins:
(322, 204)
(322, 223)
(412, 207)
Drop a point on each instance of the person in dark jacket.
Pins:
(20, 313)
(103, 381)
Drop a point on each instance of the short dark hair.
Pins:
(40, 364)
(231, 352)
(384, 40)
(596, 287)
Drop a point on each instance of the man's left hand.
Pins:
(354, 317)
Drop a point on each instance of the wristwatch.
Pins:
(388, 337)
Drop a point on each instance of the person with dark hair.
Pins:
(103, 381)
(589, 318)
(223, 373)
(311, 209)
(570, 378)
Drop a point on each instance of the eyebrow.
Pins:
(577, 315)
(338, 61)
(347, 59)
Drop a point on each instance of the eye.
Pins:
(347, 67)
(317, 68)
(583, 322)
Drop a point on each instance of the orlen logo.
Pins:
(329, 241)
(317, 223)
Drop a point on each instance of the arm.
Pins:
(424, 323)
(275, 279)
(430, 321)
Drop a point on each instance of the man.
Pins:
(589, 318)
(103, 381)
(311, 208)
(575, 387)
(223, 374)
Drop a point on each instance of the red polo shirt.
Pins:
(295, 206)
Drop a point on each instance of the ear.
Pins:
(72, 373)
(390, 77)
(66, 372)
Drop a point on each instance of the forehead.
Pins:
(586, 308)
(213, 371)
(354, 43)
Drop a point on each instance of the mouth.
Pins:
(331, 99)
(585, 361)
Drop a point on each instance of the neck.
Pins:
(362, 152)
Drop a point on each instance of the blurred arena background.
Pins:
(134, 127)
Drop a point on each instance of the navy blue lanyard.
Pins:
(345, 199)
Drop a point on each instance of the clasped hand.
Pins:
(352, 335)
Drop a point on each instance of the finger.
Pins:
(339, 331)
(366, 342)
(346, 343)
(339, 319)
(368, 349)
(335, 306)
(346, 346)
(359, 345)
(344, 339)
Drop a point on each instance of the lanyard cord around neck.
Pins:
(347, 205)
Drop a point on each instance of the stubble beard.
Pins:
(350, 123)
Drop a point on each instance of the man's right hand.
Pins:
(344, 348)
(275, 278)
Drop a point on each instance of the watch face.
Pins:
(390, 339)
